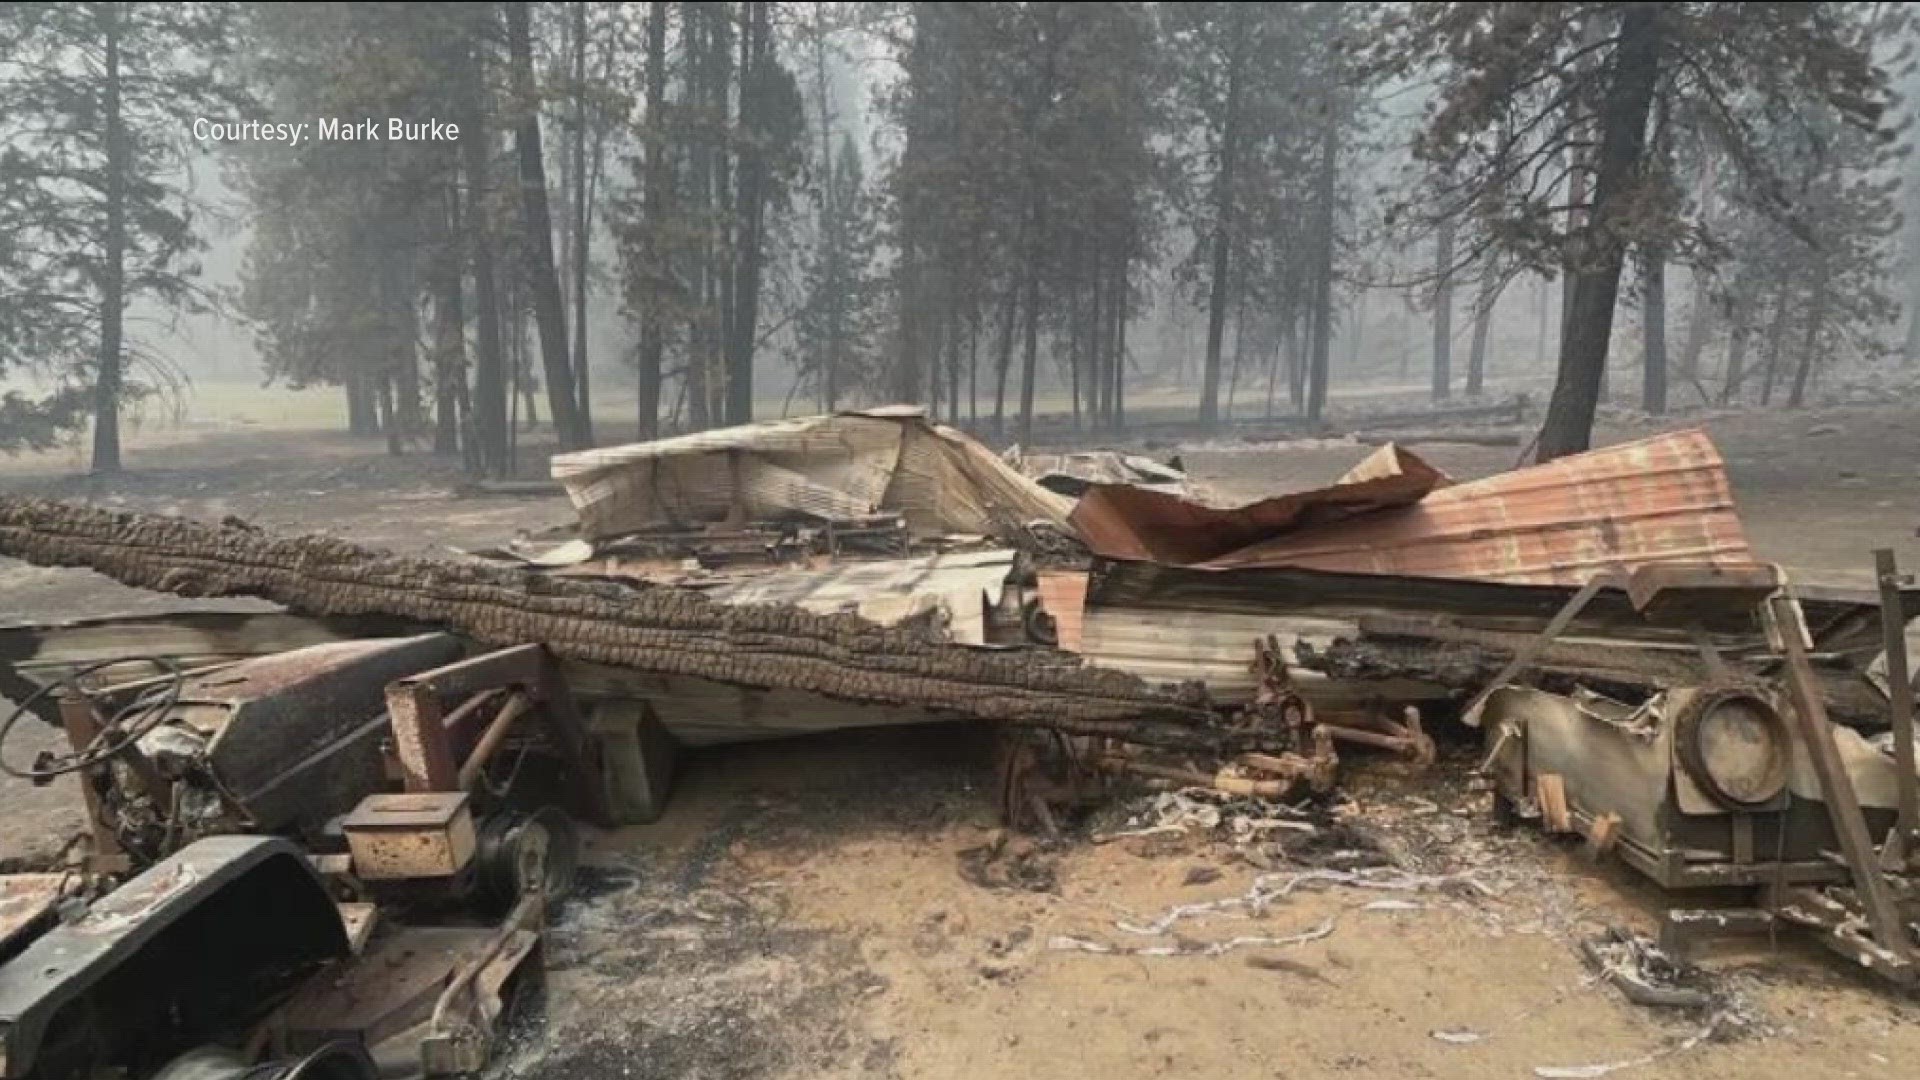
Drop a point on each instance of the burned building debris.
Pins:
(423, 732)
(657, 631)
(842, 468)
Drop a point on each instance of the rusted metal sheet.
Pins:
(27, 902)
(1660, 499)
(1656, 500)
(1216, 647)
(1063, 595)
(1176, 623)
(1121, 522)
(289, 737)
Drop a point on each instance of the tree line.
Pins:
(1032, 184)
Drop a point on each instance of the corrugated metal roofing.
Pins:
(1121, 522)
(838, 467)
(1661, 499)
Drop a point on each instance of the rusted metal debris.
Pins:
(1737, 779)
(1124, 522)
(1177, 587)
(1658, 499)
(1073, 473)
(28, 903)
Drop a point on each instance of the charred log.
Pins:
(1625, 670)
(651, 629)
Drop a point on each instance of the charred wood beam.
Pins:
(652, 629)
(1466, 661)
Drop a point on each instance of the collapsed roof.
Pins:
(1660, 499)
(844, 467)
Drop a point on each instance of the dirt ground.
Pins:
(828, 907)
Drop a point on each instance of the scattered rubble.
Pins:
(1067, 943)
(875, 560)
(1072, 474)
(1645, 973)
(1010, 863)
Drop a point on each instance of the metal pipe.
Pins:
(1402, 743)
(467, 708)
(490, 739)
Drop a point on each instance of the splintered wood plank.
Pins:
(1551, 791)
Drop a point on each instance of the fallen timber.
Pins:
(647, 629)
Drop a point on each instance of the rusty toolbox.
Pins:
(425, 834)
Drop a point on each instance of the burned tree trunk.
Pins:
(449, 327)
(563, 399)
(659, 175)
(1587, 328)
(1816, 318)
(1492, 284)
(650, 629)
(1220, 284)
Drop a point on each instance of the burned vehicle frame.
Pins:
(331, 862)
(1739, 780)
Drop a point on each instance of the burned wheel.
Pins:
(523, 852)
(1734, 745)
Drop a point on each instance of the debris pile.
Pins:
(1645, 973)
(1072, 474)
(845, 469)
(654, 630)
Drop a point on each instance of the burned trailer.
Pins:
(651, 667)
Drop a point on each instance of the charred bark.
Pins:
(1816, 319)
(1314, 373)
(757, 72)
(489, 404)
(1492, 284)
(649, 629)
(1219, 287)
(449, 328)
(1588, 326)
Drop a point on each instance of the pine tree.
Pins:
(1524, 89)
(97, 107)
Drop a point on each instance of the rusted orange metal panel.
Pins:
(1122, 522)
(1063, 593)
(1660, 499)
